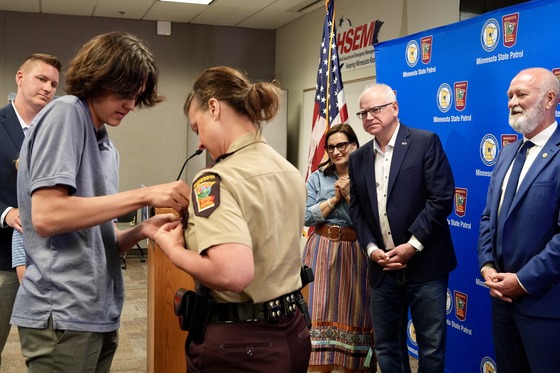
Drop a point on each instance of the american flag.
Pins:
(330, 104)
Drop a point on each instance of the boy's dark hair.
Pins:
(118, 63)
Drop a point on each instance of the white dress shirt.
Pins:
(382, 164)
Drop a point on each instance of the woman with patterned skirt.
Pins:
(341, 334)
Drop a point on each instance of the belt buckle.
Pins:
(339, 233)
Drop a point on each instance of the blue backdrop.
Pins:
(453, 80)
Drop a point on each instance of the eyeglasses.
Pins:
(372, 110)
(341, 146)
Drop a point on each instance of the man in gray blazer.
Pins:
(401, 192)
(37, 80)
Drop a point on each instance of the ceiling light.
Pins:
(201, 2)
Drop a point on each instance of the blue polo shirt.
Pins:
(74, 277)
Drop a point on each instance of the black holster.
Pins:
(193, 310)
(307, 276)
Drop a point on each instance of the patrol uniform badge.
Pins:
(206, 194)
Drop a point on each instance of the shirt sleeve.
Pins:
(18, 251)
(313, 214)
(216, 217)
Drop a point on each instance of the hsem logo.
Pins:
(357, 37)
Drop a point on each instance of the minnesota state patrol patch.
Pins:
(206, 194)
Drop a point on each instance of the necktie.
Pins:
(513, 180)
(25, 129)
(511, 188)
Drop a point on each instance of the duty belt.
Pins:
(272, 310)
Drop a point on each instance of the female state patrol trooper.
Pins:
(242, 236)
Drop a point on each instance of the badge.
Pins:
(461, 201)
(461, 301)
(206, 194)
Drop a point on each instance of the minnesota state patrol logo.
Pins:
(444, 97)
(448, 302)
(411, 333)
(426, 43)
(206, 194)
(460, 89)
(460, 202)
(508, 139)
(487, 365)
(490, 35)
(411, 53)
(488, 149)
(460, 305)
(509, 26)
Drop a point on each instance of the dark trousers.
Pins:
(524, 343)
(390, 303)
(9, 285)
(283, 346)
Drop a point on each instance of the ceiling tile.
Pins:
(174, 12)
(261, 14)
(20, 5)
(134, 9)
(68, 7)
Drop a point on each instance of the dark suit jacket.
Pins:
(11, 138)
(420, 197)
(531, 239)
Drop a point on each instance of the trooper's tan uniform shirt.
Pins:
(252, 196)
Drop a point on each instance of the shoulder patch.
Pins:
(206, 194)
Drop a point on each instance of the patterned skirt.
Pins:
(341, 333)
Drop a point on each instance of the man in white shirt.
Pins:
(401, 192)
(37, 80)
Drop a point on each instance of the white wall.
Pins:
(297, 52)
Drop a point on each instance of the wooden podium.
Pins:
(166, 341)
